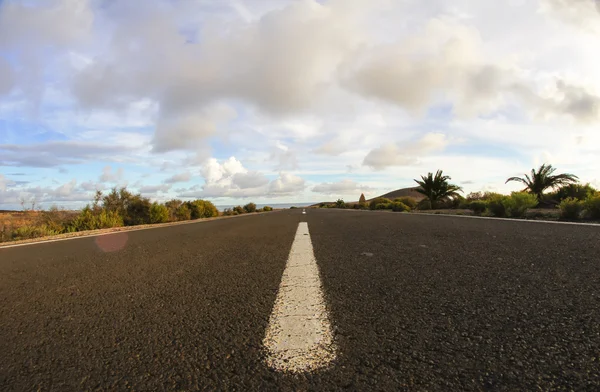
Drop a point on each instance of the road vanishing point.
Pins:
(313, 300)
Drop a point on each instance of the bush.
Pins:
(474, 196)
(384, 206)
(574, 191)
(477, 206)
(570, 208)
(398, 206)
(496, 205)
(28, 232)
(137, 211)
(158, 213)
(411, 202)
(56, 220)
(239, 210)
(378, 201)
(250, 207)
(424, 205)
(592, 207)
(227, 212)
(183, 213)
(363, 206)
(202, 209)
(89, 219)
(518, 203)
(340, 203)
(267, 208)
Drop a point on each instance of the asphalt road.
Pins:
(415, 302)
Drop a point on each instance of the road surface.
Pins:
(404, 302)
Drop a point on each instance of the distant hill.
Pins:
(390, 195)
(411, 192)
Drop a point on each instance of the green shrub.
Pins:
(574, 191)
(340, 203)
(173, 205)
(250, 207)
(398, 206)
(202, 209)
(496, 205)
(56, 220)
(89, 219)
(183, 213)
(159, 213)
(517, 204)
(294, 207)
(137, 210)
(424, 205)
(28, 232)
(227, 212)
(267, 208)
(363, 206)
(592, 206)
(477, 206)
(239, 210)
(411, 202)
(378, 201)
(474, 196)
(384, 206)
(570, 208)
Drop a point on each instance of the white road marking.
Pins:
(299, 338)
(304, 212)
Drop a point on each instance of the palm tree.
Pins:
(544, 179)
(436, 188)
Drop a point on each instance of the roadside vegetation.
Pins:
(546, 195)
(117, 208)
(247, 209)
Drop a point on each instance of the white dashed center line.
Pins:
(299, 337)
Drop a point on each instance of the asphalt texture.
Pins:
(417, 303)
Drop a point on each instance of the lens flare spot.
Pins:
(112, 242)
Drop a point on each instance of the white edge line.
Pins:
(126, 229)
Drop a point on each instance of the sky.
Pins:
(278, 101)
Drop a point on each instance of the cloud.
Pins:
(186, 132)
(56, 153)
(398, 154)
(153, 189)
(7, 77)
(286, 185)
(443, 62)
(581, 13)
(231, 179)
(182, 177)
(284, 158)
(67, 192)
(344, 187)
(4, 182)
(30, 31)
(108, 175)
(578, 102)
(248, 180)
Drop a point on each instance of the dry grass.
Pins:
(15, 225)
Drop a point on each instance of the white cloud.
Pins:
(286, 185)
(341, 188)
(403, 154)
(232, 180)
(182, 177)
(187, 131)
(110, 175)
(581, 13)
(153, 189)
